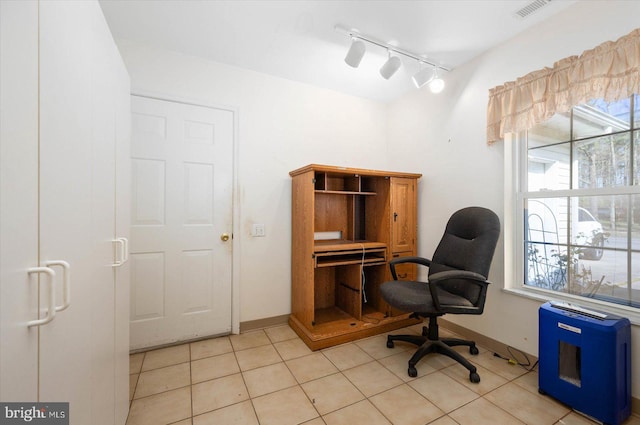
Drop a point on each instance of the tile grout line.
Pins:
(135, 386)
(253, 407)
(319, 416)
(190, 385)
(407, 383)
(298, 383)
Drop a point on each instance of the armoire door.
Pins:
(122, 225)
(18, 200)
(110, 164)
(62, 85)
(72, 195)
(403, 214)
(181, 221)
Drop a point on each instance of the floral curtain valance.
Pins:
(610, 71)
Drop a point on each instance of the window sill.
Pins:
(543, 296)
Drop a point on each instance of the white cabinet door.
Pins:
(104, 92)
(18, 200)
(182, 168)
(66, 200)
(122, 224)
(110, 200)
(64, 96)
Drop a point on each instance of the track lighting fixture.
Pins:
(355, 53)
(390, 67)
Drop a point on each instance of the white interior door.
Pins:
(182, 169)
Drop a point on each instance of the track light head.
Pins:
(390, 67)
(436, 85)
(355, 53)
(422, 77)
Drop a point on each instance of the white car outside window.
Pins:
(589, 232)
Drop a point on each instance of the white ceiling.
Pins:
(296, 39)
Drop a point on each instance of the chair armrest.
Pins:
(436, 278)
(456, 274)
(415, 260)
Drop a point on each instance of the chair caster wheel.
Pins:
(474, 350)
(474, 377)
(412, 372)
(390, 344)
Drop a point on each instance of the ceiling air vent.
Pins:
(530, 8)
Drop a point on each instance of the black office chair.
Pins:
(457, 284)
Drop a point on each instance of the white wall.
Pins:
(443, 137)
(283, 125)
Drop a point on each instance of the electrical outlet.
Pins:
(257, 230)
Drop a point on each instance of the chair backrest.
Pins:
(468, 243)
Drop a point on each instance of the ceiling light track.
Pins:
(394, 49)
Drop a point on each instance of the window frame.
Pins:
(515, 176)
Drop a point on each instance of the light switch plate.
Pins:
(257, 230)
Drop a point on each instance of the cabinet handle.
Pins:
(51, 304)
(402, 276)
(395, 216)
(66, 282)
(126, 249)
(123, 251)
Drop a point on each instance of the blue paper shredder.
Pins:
(585, 360)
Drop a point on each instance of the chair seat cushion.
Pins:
(411, 296)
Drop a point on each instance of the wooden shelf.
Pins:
(330, 314)
(345, 192)
(332, 245)
(352, 171)
(343, 252)
(343, 329)
(344, 260)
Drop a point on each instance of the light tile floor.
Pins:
(270, 377)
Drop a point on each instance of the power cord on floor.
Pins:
(526, 364)
(362, 276)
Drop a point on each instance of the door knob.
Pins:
(224, 237)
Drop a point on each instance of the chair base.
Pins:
(429, 342)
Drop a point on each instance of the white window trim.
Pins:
(513, 246)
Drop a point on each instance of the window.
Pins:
(579, 203)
